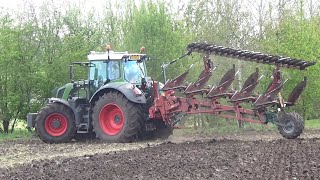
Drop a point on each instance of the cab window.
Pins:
(100, 69)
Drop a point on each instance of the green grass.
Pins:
(17, 134)
(20, 132)
(312, 124)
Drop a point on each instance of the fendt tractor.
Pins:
(120, 103)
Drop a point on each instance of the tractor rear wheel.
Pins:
(293, 125)
(55, 124)
(116, 119)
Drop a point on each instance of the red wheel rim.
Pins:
(56, 124)
(111, 119)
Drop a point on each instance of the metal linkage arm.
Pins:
(165, 65)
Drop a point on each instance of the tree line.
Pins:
(37, 43)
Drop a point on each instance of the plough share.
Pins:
(268, 107)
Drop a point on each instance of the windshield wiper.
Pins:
(141, 69)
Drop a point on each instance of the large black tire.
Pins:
(55, 124)
(116, 119)
(294, 125)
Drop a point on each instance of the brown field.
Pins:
(250, 155)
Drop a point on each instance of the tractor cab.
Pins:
(104, 68)
(113, 66)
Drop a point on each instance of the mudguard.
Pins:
(31, 117)
(62, 101)
(127, 89)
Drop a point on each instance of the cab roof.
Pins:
(112, 55)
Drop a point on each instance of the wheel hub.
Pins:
(56, 123)
(289, 127)
(111, 119)
(117, 119)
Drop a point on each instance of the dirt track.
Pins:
(248, 156)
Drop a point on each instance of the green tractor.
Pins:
(112, 104)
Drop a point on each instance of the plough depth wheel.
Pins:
(292, 125)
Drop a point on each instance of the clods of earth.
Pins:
(225, 157)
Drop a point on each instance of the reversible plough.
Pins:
(267, 107)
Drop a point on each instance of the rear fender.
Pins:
(62, 101)
(131, 92)
(31, 117)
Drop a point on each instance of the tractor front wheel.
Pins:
(55, 124)
(116, 119)
(292, 125)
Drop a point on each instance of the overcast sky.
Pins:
(13, 4)
(251, 6)
(89, 4)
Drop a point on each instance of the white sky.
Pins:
(87, 5)
(13, 4)
(97, 5)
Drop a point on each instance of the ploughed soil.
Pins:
(244, 156)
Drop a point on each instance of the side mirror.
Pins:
(71, 72)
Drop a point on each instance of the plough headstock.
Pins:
(265, 107)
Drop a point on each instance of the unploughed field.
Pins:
(251, 155)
